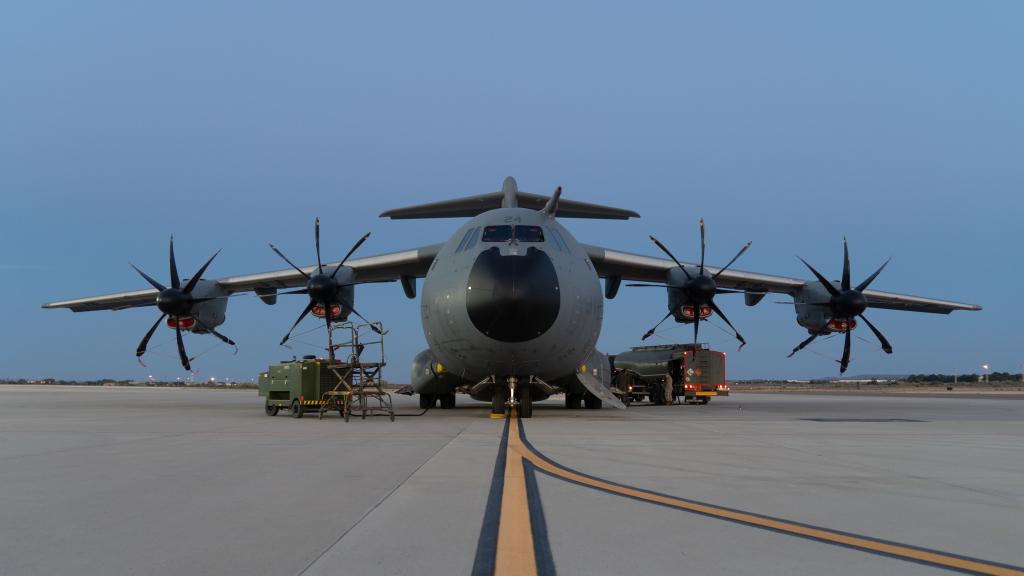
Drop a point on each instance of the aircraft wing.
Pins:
(612, 263)
(383, 267)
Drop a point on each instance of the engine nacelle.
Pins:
(683, 310)
(428, 375)
(814, 314)
(209, 314)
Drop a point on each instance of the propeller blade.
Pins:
(703, 245)
(674, 259)
(845, 362)
(220, 336)
(804, 344)
(734, 258)
(175, 281)
(881, 339)
(650, 332)
(285, 258)
(360, 316)
(696, 329)
(846, 266)
(152, 282)
(199, 275)
(181, 349)
(145, 339)
(309, 308)
(867, 281)
(319, 265)
(828, 285)
(726, 320)
(351, 250)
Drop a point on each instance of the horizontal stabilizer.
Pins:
(473, 205)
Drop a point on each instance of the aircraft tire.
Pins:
(447, 401)
(525, 403)
(592, 402)
(498, 399)
(573, 400)
(427, 401)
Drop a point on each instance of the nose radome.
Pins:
(513, 298)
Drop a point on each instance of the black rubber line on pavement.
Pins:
(487, 545)
(541, 455)
(538, 525)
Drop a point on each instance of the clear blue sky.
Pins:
(231, 124)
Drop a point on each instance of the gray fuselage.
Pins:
(511, 294)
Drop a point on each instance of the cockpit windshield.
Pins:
(505, 233)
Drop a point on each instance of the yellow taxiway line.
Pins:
(515, 550)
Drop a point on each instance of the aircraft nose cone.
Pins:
(174, 302)
(513, 298)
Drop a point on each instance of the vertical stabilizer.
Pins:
(509, 193)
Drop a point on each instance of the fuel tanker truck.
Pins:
(697, 373)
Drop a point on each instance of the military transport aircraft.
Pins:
(512, 303)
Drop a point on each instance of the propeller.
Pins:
(845, 303)
(177, 302)
(699, 288)
(321, 287)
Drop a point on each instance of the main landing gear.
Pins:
(446, 401)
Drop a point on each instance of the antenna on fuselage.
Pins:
(552, 206)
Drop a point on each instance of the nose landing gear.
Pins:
(511, 395)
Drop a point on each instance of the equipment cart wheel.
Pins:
(271, 409)
(296, 409)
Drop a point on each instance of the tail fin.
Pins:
(509, 197)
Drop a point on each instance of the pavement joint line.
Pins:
(381, 501)
(528, 453)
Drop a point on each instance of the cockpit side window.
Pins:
(501, 233)
(529, 234)
(467, 240)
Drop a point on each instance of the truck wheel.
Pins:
(705, 400)
(657, 395)
(271, 409)
(296, 409)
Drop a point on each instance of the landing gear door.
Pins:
(596, 376)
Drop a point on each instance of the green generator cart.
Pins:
(297, 385)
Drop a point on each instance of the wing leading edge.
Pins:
(383, 267)
(612, 263)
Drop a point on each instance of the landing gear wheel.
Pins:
(296, 409)
(592, 402)
(427, 401)
(271, 409)
(447, 401)
(525, 403)
(498, 399)
(573, 400)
